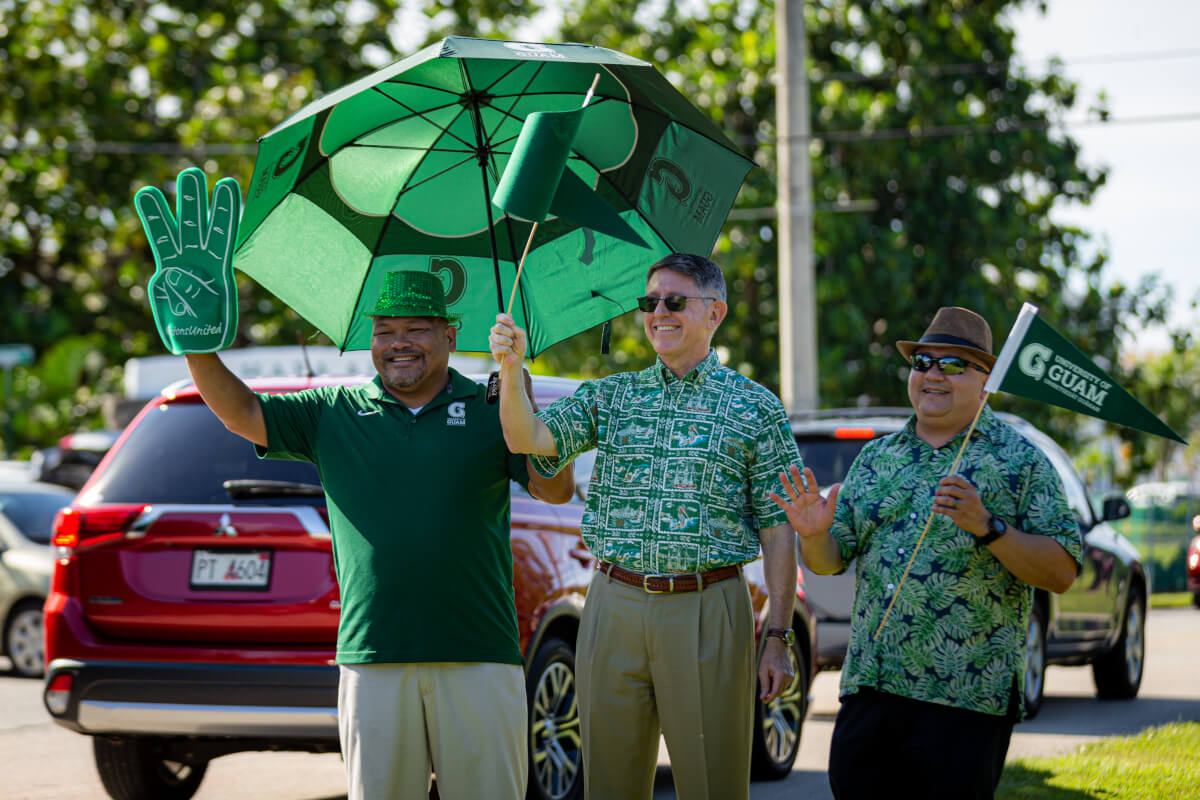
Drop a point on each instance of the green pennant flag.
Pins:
(1039, 363)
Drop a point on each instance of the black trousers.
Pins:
(890, 746)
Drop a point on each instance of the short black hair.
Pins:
(703, 271)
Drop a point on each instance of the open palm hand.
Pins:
(193, 293)
(808, 512)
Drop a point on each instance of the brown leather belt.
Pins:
(669, 583)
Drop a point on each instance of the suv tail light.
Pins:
(854, 433)
(72, 526)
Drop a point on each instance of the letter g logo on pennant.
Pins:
(1033, 358)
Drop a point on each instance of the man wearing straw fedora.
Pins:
(953, 520)
(416, 474)
(687, 455)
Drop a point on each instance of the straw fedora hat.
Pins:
(959, 328)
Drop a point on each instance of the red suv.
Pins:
(193, 610)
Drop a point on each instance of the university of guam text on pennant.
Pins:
(1039, 363)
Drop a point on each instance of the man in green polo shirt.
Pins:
(688, 452)
(930, 698)
(416, 475)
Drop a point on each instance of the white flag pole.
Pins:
(1016, 337)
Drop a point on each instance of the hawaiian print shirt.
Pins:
(684, 467)
(956, 635)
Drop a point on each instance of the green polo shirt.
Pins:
(419, 510)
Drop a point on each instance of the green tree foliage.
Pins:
(103, 98)
(923, 124)
(921, 116)
(1167, 384)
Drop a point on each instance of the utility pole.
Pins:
(797, 289)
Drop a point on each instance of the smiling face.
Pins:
(945, 404)
(681, 338)
(412, 355)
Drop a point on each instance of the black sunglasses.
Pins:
(949, 365)
(673, 302)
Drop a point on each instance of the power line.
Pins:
(1002, 127)
(999, 128)
(137, 148)
(906, 71)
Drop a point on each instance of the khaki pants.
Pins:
(466, 721)
(684, 662)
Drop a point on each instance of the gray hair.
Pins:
(703, 271)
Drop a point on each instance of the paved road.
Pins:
(39, 760)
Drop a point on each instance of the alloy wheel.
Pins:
(1135, 642)
(25, 641)
(1035, 660)
(557, 756)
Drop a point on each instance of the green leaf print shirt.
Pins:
(957, 633)
(684, 466)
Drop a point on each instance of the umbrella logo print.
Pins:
(457, 274)
(672, 178)
(288, 158)
(533, 50)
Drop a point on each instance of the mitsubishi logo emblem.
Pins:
(224, 527)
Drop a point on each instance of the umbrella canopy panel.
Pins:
(397, 171)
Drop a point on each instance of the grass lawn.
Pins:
(1170, 599)
(1158, 763)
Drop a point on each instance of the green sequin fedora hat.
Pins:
(408, 293)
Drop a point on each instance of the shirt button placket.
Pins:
(658, 466)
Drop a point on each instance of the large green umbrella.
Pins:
(398, 170)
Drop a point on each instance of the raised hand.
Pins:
(193, 293)
(808, 512)
(507, 342)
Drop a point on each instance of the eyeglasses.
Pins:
(949, 365)
(673, 302)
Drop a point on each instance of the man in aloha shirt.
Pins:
(688, 453)
(928, 706)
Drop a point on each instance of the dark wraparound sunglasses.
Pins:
(673, 302)
(949, 365)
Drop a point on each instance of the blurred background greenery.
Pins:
(936, 162)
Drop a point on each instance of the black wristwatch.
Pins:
(787, 634)
(996, 528)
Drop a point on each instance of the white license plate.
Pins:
(217, 569)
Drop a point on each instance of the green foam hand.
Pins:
(193, 293)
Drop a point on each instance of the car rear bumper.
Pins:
(123, 697)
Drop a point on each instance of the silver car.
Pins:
(27, 510)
